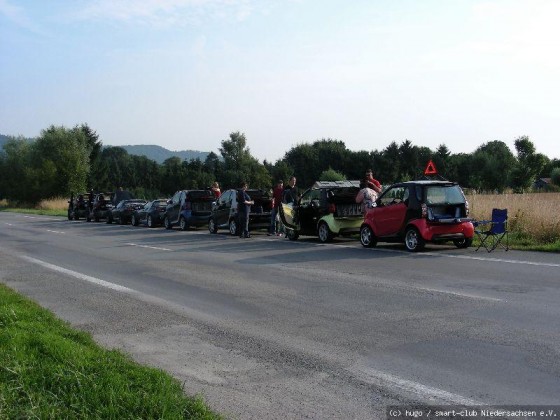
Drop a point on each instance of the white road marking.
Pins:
(56, 231)
(385, 380)
(500, 260)
(80, 276)
(150, 247)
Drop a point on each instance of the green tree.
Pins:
(60, 157)
(496, 162)
(529, 164)
(14, 171)
(119, 168)
(172, 175)
(555, 176)
(331, 175)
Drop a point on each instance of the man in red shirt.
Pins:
(277, 194)
(373, 183)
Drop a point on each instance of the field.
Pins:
(533, 218)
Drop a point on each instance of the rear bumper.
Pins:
(444, 231)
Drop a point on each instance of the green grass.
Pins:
(36, 211)
(50, 371)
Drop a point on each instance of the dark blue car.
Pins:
(151, 214)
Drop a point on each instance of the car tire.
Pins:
(233, 228)
(122, 220)
(212, 227)
(413, 240)
(167, 223)
(109, 220)
(88, 218)
(292, 235)
(134, 220)
(183, 223)
(150, 222)
(96, 218)
(324, 233)
(70, 215)
(462, 243)
(367, 237)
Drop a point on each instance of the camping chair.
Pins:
(492, 232)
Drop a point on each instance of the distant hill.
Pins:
(151, 151)
(160, 154)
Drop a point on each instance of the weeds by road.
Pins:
(48, 370)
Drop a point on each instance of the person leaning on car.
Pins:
(244, 204)
(366, 196)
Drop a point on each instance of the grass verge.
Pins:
(48, 370)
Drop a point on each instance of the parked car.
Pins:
(123, 212)
(189, 208)
(416, 212)
(327, 209)
(101, 207)
(151, 214)
(225, 216)
(78, 206)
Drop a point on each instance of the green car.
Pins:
(328, 209)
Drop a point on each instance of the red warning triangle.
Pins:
(430, 168)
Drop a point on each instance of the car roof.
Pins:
(336, 184)
(425, 182)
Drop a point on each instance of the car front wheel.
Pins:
(367, 237)
(233, 227)
(413, 240)
(134, 221)
(183, 223)
(325, 234)
(462, 243)
(167, 223)
(292, 235)
(150, 222)
(212, 226)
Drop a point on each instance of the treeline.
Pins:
(64, 160)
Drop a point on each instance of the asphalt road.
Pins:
(269, 328)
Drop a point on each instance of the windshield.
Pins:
(448, 194)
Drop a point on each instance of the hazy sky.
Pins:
(185, 73)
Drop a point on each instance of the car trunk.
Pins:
(201, 202)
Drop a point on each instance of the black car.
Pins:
(189, 208)
(151, 214)
(224, 211)
(100, 207)
(124, 210)
(327, 209)
(78, 206)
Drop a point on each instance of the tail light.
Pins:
(466, 208)
(424, 208)
(332, 208)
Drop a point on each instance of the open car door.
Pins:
(287, 215)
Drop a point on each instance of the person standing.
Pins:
(366, 196)
(373, 183)
(290, 195)
(244, 204)
(216, 190)
(277, 193)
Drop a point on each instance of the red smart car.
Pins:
(416, 212)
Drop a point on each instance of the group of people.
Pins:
(370, 188)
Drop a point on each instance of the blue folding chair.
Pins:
(491, 233)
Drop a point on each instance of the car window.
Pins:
(394, 195)
(443, 194)
(309, 196)
(176, 197)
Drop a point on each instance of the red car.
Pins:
(416, 212)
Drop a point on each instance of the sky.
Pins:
(184, 74)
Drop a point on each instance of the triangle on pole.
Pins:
(430, 168)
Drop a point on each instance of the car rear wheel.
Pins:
(183, 223)
(367, 237)
(70, 215)
(292, 235)
(233, 227)
(212, 226)
(413, 240)
(325, 234)
(167, 223)
(150, 222)
(462, 243)
(109, 219)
